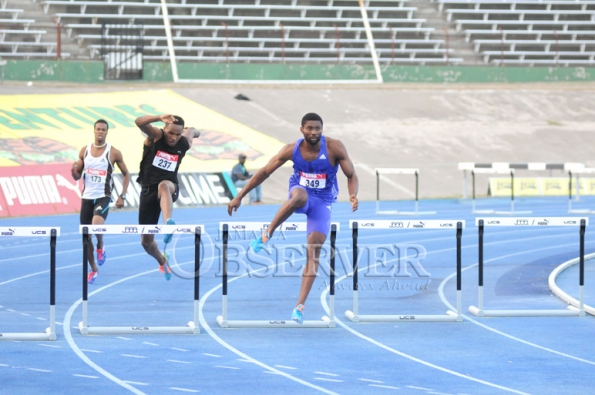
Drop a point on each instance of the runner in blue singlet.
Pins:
(313, 188)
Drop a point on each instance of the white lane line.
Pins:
(37, 273)
(134, 382)
(25, 314)
(211, 355)
(400, 353)
(95, 351)
(285, 367)
(227, 367)
(49, 345)
(179, 349)
(438, 393)
(325, 379)
(150, 344)
(3, 364)
(372, 381)
(39, 370)
(183, 389)
(176, 361)
(327, 374)
(384, 386)
(122, 338)
(528, 343)
(41, 318)
(243, 360)
(418, 388)
(271, 369)
(269, 372)
(86, 376)
(11, 310)
(132, 356)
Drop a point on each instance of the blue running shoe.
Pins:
(91, 277)
(259, 242)
(101, 256)
(165, 268)
(298, 314)
(167, 238)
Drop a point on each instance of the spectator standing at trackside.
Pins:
(240, 177)
(313, 188)
(163, 151)
(96, 165)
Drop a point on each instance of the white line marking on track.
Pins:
(325, 379)
(384, 386)
(179, 349)
(41, 318)
(3, 364)
(243, 360)
(372, 381)
(227, 367)
(285, 367)
(418, 388)
(438, 393)
(134, 382)
(176, 361)
(183, 389)
(150, 344)
(269, 372)
(39, 370)
(122, 338)
(402, 354)
(25, 314)
(271, 369)
(211, 355)
(446, 303)
(132, 356)
(49, 345)
(11, 310)
(86, 376)
(327, 374)
(95, 351)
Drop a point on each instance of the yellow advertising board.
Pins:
(539, 186)
(51, 129)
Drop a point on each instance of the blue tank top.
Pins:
(318, 177)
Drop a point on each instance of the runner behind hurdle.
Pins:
(95, 165)
(163, 151)
(313, 188)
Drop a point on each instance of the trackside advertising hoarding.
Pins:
(50, 189)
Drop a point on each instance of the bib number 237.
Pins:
(165, 161)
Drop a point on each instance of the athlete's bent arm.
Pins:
(119, 160)
(349, 170)
(77, 167)
(190, 134)
(144, 124)
(261, 175)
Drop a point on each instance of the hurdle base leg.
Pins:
(405, 318)
(351, 316)
(142, 329)
(457, 317)
(581, 313)
(222, 323)
(45, 336)
(323, 323)
(331, 323)
(530, 313)
(476, 311)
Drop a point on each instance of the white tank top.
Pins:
(97, 174)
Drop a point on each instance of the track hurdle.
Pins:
(27, 231)
(450, 316)
(224, 322)
(525, 222)
(496, 171)
(577, 172)
(415, 172)
(191, 328)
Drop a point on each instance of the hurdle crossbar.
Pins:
(28, 231)
(191, 327)
(578, 172)
(525, 222)
(224, 322)
(416, 211)
(450, 316)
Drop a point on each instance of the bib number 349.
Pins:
(313, 180)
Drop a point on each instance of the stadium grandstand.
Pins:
(396, 32)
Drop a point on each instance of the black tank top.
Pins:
(161, 162)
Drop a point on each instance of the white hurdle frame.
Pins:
(191, 328)
(450, 316)
(415, 172)
(325, 321)
(29, 231)
(496, 171)
(578, 172)
(524, 222)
